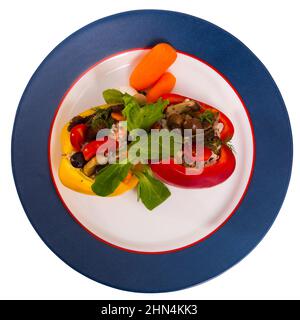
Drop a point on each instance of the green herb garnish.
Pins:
(142, 117)
(151, 191)
(113, 96)
(100, 119)
(208, 116)
(109, 178)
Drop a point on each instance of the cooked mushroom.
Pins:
(140, 98)
(193, 124)
(90, 167)
(183, 107)
(175, 121)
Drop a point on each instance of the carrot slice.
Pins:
(117, 116)
(152, 66)
(127, 178)
(164, 85)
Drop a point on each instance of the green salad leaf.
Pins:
(137, 117)
(151, 113)
(151, 191)
(109, 178)
(142, 117)
(113, 96)
(131, 112)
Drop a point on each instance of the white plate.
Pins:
(188, 216)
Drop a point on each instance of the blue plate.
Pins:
(168, 271)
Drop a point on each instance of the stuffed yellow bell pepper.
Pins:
(79, 165)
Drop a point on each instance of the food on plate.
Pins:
(86, 164)
(219, 159)
(79, 166)
(81, 171)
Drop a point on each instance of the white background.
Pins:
(29, 31)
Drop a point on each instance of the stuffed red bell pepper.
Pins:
(219, 160)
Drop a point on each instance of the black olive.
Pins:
(77, 160)
(193, 124)
(75, 121)
(175, 121)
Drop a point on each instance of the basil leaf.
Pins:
(131, 112)
(151, 191)
(109, 178)
(142, 117)
(113, 96)
(152, 113)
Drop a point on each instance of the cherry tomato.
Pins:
(90, 149)
(77, 136)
